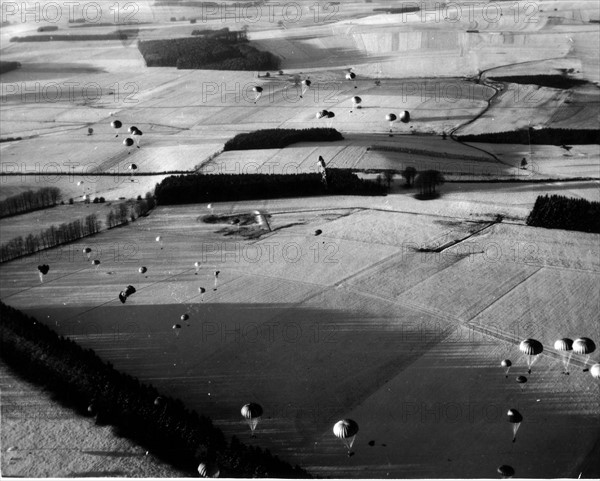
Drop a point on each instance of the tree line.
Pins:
(280, 138)
(560, 212)
(119, 35)
(53, 236)
(80, 380)
(537, 137)
(226, 51)
(197, 188)
(29, 201)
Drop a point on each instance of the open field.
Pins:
(350, 324)
(365, 321)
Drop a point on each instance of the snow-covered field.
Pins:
(362, 321)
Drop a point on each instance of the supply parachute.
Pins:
(506, 363)
(252, 413)
(515, 418)
(346, 430)
(565, 347)
(532, 349)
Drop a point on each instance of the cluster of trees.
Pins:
(226, 51)
(537, 136)
(73, 38)
(123, 213)
(189, 189)
(553, 81)
(48, 28)
(8, 66)
(80, 380)
(51, 237)
(29, 201)
(560, 212)
(280, 138)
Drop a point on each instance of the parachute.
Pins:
(116, 124)
(43, 270)
(137, 134)
(159, 240)
(506, 471)
(405, 117)
(258, 91)
(346, 430)
(351, 76)
(185, 317)
(96, 263)
(330, 115)
(201, 290)
(261, 219)
(356, 101)
(142, 270)
(318, 232)
(176, 326)
(515, 418)
(197, 266)
(159, 401)
(132, 167)
(305, 86)
(521, 380)
(208, 470)
(584, 346)
(321, 114)
(128, 142)
(88, 252)
(123, 295)
(595, 371)
(506, 363)
(252, 413)
(132, 129)
(565, 346)
(531, 348)
(391, 118)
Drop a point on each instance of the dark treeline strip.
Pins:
(189, 189)
(48, 28)
(538, 137)
(560, 212)
(103, 24)
(29, 201)
(9, 139)
(227, 51)
(80, 380)
(68, 232)
(280, 138)
(428, 153)
(553, 81)
(70, 38)
(8, 66)
(397, 10)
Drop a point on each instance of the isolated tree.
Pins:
(428, 180)
(523, 163)
(409, 175)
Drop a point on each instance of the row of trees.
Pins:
(226, 51)
(79, 379)
(553, 81)
(29, 201)
(190, 189)
(125, 212)
(280, 138)
(72, 38)
(51, 237)
(560, 212)
(8, 66)
(537, 137)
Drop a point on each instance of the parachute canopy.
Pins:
(521, 379)
(202, 290)
(390, 117)
(142, 270)
(87, 250)
(176, 326)
(564, 344)
(595, 371)
(346, 428)
(322, 113)
(506, 470)
(159, 401)
(128, 142)
(405, 117)
(330, 115)
(207, 470)
(506, 363)
(257, 89)
(158, 239)
(350, 76)
(583, 345)
(514, 416)
(184, 317)
(531, 347)
(318, 232)
(95, 262)
(252, 411)
(44, 268)
(116, 124)
(306, 82)
(356, 100)
(132, 167)
(132, 129)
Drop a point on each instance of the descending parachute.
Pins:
(565, 347)
(584, 346)
(132, 129)
(159, 401)
(351, 76)
(96, 263)
(128, 142)
(515, 418)
(356, 101)
(160, 241)
(88, 252)
(201, 290)
(116, 124)
(506, 363)
(531, 348)
(137, 134)
(185, 317)
(43, 270)
(318, 232)
(330, 116)
(321, 114)
(207, 470)
(197, 266)
(521, 380)
(258, 91)
(123, 295)
(305, 86)
(261, 219)
(405, 117)
(142, 270)
(506, 471)
(252, 413)
(391, 118)
(346, 430)
(176, 326)
(595, 371)
(132, 168)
